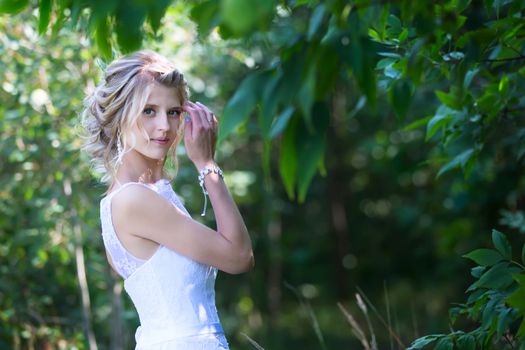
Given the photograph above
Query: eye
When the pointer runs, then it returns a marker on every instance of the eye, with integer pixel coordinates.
(148, 111)
(175, 112)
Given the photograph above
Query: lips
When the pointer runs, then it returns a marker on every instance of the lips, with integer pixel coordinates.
(161, 141)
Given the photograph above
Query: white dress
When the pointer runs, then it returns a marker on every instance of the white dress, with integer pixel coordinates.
(173, 294)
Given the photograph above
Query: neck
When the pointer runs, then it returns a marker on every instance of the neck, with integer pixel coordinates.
(136, 167)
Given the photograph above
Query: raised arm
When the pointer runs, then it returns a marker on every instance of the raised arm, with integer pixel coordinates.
(142, 212)
(148, 215)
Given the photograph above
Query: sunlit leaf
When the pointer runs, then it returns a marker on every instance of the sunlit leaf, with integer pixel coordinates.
(102, 37)
(13, 6)
(44, 8)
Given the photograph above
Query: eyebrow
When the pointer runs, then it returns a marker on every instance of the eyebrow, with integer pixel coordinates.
(154, 105)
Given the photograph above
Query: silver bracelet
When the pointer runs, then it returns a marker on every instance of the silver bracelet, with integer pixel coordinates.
(202, 174)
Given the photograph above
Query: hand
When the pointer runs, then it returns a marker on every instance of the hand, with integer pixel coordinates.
(200, 133)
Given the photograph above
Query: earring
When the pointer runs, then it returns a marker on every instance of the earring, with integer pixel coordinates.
(119, 147)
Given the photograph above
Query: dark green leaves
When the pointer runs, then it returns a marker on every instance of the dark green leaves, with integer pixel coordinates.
(205, 15)
(424, 341)
(302, 151)
(444, 343)
(463, 160)
(498, 276)
(484, 257)
(400, 94)
(466, 342)
(502, 244)
(239, 107)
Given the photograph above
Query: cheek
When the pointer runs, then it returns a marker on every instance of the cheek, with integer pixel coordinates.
(175, 124)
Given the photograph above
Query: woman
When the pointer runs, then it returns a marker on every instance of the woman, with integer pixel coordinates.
(169, 262)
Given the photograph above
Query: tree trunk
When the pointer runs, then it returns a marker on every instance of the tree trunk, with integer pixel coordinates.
(117, 341)
(84, 290)
(337, 176)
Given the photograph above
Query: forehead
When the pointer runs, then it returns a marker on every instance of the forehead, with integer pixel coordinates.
(162, 95)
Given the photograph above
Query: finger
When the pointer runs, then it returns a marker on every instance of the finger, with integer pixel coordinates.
(203, 114)
(196, 119)
(188, 127)
(202, 105)
(206, 114)
(209, 113)
(214, 122)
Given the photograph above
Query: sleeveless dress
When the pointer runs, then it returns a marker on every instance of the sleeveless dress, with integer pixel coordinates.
(173, 294)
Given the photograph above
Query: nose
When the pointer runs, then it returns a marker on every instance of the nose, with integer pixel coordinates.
(163, 123)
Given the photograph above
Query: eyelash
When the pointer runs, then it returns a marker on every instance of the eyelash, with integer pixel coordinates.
(176, 111)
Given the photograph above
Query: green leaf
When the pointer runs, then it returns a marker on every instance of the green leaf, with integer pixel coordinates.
(477, 271)
(244, 16)
(438, 121)
(460, 160)
(521, 331)
(444, 343)
(374, 35)
(448, 100)
(469, 76)
(269, 103)
(281, 122)
(502, 244)
(424, 341)
(242, 103)
(360, 54)
(157, 10)
(316, 19)
(102, 38)
(288, 158)
(503, 86)
(466, 342)
(504, 320)
(484, 257)
(403, 36)
(523, 254)
(13, 6)
(498, 276)
(44, 8)
(310, 148)
(517, 298)
(205, 15)
(385, 62)
(306, 95)
(416, 124)
(400, 96)
(128, 26)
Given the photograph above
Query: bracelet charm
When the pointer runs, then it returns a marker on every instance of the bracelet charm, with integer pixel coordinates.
(202, 174)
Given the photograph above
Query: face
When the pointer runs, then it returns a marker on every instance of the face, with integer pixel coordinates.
(160, 120)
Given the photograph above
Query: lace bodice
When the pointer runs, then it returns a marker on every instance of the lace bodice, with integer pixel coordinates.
(126, 263)
(173, 294)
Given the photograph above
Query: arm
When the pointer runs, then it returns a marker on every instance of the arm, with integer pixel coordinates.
(145, 214)
(142, 212)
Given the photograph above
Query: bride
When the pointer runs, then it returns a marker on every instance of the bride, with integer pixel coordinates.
(134, 120)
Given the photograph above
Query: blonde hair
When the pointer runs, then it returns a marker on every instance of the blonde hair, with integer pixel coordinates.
(117, 102)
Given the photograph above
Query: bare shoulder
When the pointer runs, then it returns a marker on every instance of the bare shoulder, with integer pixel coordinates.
(135, 199)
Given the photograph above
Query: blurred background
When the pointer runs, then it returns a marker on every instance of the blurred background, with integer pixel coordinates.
(372, 217)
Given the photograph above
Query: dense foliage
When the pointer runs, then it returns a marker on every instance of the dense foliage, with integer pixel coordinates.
(383, 99)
